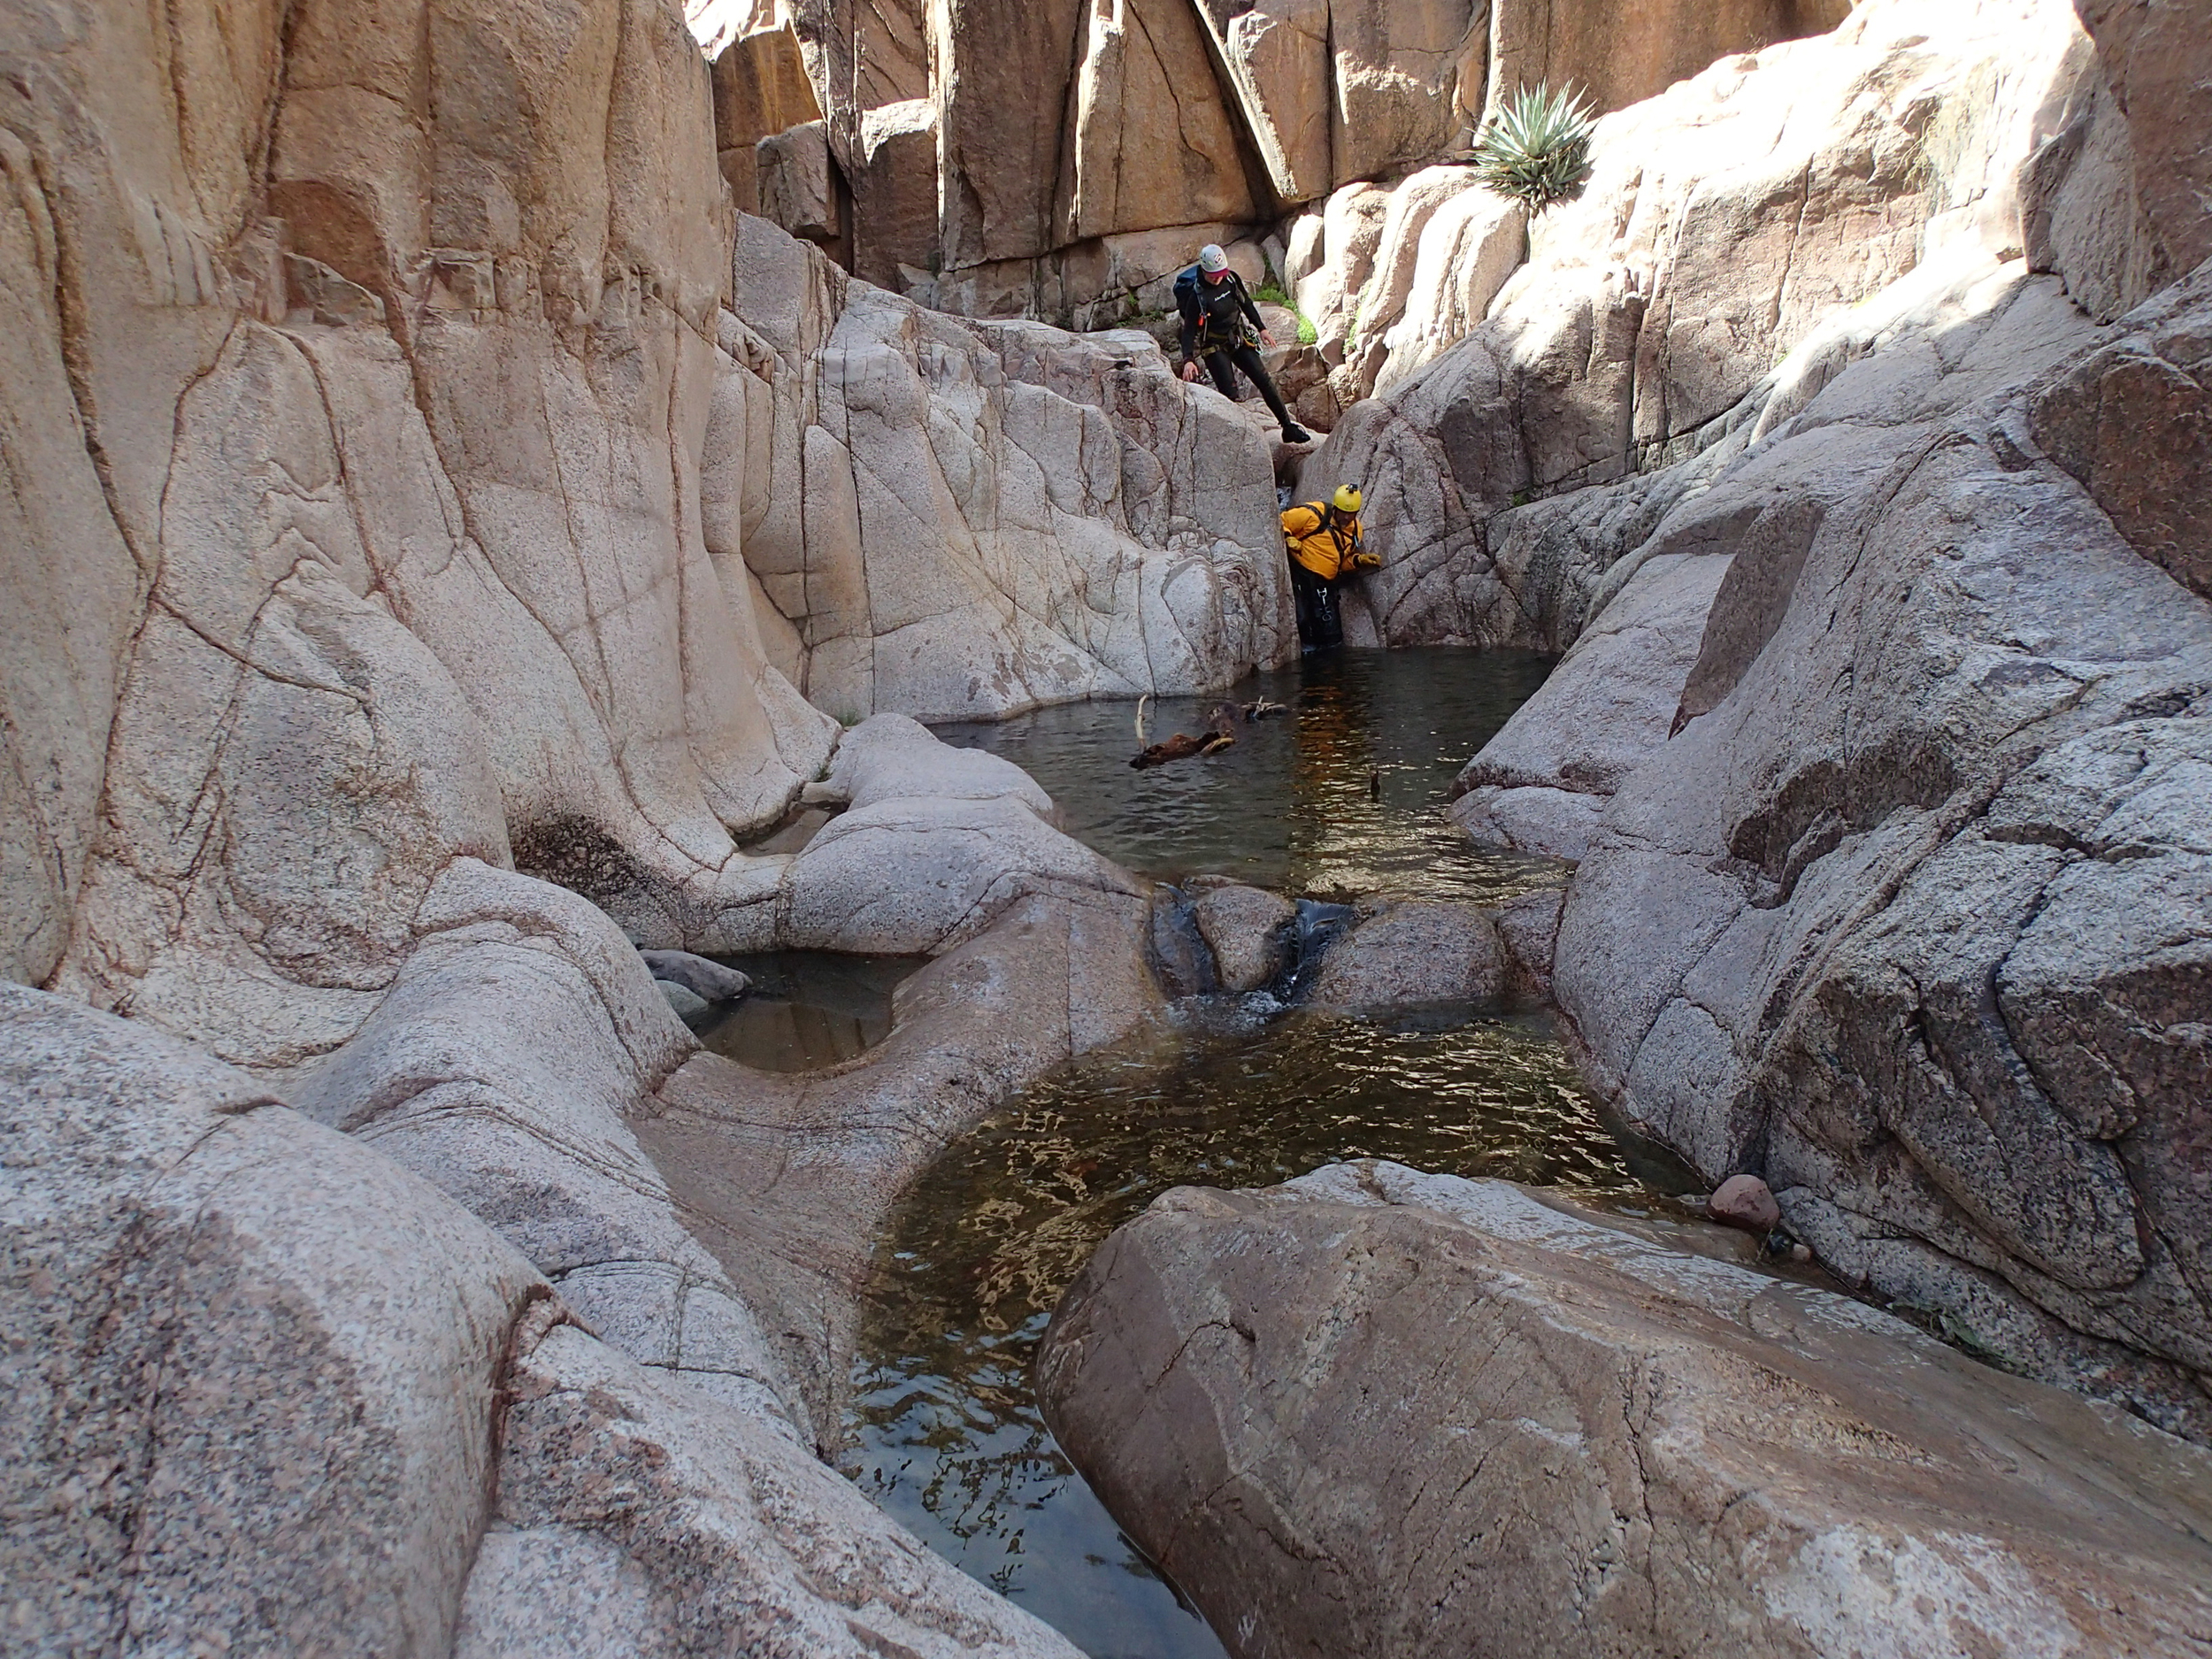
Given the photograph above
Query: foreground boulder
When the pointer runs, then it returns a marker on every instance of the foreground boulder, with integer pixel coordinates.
(260, 1381)
(248, 1377)
(1376, 1412)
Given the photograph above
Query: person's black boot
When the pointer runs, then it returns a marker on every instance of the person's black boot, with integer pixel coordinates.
(1296, 433)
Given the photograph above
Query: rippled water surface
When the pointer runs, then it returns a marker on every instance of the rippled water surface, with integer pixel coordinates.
(1340, 796)
(949, 1435)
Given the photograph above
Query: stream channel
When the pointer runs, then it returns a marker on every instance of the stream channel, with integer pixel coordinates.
(1340, 797)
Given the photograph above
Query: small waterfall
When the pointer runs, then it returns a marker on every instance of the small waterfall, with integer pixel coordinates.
(1181, 960)
(1310, 932)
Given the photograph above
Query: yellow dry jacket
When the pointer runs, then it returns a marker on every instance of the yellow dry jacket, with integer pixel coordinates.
(1330, 551)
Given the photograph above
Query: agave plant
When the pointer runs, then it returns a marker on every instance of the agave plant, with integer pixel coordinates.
(1535, 147)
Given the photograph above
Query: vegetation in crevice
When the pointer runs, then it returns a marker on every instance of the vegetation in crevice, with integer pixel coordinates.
(1535, 147)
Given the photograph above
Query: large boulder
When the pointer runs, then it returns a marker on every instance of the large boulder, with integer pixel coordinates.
(1376, 1412)
(2159, 68)
(2132, 424)
(251, 1367)
(1149, 137)
(1276, 56)
(893, 179)
(799, 187)
(1412, 955)
(760, 88)
(1407, 83)
(1857, 921)
(1247, 930)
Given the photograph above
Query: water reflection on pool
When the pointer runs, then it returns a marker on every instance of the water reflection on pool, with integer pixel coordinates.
(806, 1010)
(1342, 795)
(948, 1434)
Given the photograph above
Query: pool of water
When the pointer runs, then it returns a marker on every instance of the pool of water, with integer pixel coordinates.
(946, 1434)
(807, 1008)
(1340, 796)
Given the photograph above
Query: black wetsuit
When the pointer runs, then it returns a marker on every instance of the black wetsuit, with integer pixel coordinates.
(1214, 317)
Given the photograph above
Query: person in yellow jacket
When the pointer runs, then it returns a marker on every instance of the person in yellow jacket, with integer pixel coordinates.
(1324, 543)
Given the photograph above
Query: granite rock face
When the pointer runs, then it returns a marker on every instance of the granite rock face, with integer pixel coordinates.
(456, 517)
(1066, 129)
(1727, 221)
(1842, 868)
(251, 1364)
(1588, 1440)
(1859, 921)
(992, 516)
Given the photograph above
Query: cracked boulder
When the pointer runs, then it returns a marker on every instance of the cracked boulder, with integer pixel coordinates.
(1378, 1412)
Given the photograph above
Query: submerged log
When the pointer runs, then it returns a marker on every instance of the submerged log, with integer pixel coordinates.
(1220, 732)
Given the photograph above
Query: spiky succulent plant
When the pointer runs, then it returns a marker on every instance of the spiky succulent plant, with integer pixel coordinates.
(1535, 147)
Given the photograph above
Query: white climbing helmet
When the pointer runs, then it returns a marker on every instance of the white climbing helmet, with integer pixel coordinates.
(1211, 259)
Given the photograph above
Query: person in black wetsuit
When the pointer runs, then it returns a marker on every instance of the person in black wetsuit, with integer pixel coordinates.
(1222, 327)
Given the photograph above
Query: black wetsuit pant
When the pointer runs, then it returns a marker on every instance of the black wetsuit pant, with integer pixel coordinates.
(1246, 356)
(1319, 622)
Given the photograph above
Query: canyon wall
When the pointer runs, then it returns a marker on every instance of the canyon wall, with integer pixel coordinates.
(1860, 471)
(1058, 161)
(323, 393)
(406, 445)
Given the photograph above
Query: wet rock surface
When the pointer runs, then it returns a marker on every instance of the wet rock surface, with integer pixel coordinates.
(1247, 929)
(1403, 955)
(1591, 1442)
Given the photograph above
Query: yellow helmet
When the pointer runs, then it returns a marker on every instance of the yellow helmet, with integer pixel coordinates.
(1345, 499)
